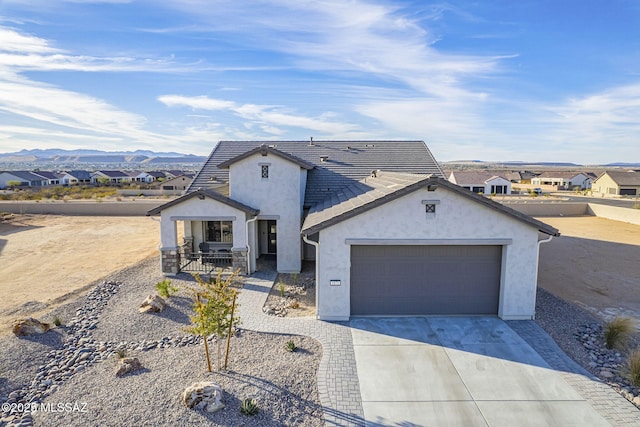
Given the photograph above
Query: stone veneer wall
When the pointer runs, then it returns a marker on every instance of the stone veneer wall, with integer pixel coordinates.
(239, 260)
(170, 261)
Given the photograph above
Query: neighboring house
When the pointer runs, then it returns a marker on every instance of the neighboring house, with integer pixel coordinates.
(76, 177)
(617, 183)
(137, 176)
(389, 235)
(179, 183)
(481, 182)
(158, 175)
(114, 177)
(24, 178)
(565, 180)
(53, 178)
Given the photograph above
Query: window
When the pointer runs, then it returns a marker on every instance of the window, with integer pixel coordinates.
(218, 231)
(264, 171)
(478, 190)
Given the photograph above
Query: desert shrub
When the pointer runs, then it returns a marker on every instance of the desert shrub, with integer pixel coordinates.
(618, 332)
(632, 368)
(249, 407)
(121, 353)
(291, 346)
(57, 321)
(166, 288)
(281, 288)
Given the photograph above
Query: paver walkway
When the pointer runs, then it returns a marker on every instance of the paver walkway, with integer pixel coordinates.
(338, 384)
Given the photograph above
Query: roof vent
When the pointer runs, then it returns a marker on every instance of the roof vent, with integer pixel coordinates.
(310, 141)
(213, 178)
(374, 173)
(273, 145)
(369, 145)
(324, 158)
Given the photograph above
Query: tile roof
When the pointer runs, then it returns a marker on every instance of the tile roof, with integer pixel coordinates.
(80, 174)
(113, 174)
(27, 176)
(387, 186)
(345, 162)
(559, 174)
(624, 177)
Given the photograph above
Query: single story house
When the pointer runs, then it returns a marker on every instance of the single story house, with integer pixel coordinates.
(76, 177)
(617, 183)
(112, 177)
(565, 180)
(53, 178)
(481, 182)
(179, 183)
(389, 235)
(22, 178)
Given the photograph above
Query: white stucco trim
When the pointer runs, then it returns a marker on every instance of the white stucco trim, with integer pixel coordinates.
(426, 242)
(201, 218)
(268, 217)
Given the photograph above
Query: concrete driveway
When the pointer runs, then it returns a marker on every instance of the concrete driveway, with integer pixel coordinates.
(459, 371)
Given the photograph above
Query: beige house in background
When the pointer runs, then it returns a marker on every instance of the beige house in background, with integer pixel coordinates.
(617, 183)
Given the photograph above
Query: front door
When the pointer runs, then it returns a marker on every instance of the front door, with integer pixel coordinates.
(272, 233)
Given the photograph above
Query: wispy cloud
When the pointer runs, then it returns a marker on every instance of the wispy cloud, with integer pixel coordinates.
(268, 117)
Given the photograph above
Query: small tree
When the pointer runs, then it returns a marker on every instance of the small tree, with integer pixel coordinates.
(214, 311)
(13, 184)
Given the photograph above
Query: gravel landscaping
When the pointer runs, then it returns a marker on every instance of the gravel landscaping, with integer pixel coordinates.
(75, 365)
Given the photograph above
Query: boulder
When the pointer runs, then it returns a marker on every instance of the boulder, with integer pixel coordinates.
(204, 395)
(128, 365)
(29, 326)
(153, 303)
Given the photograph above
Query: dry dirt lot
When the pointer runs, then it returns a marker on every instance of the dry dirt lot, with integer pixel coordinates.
(47, 259)
(594, 264)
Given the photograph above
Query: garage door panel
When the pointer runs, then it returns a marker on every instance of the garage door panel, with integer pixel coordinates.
(420, 280)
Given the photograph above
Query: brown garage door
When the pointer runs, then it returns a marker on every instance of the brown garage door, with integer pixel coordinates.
(420, 280)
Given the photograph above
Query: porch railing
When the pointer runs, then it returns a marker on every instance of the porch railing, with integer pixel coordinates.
(204, 261)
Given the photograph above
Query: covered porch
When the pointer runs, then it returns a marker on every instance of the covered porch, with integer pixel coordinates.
(204, 230)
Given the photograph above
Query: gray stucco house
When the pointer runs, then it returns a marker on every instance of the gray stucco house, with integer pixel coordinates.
(389, 235)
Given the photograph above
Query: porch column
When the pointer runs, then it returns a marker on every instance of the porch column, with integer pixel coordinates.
(239, 259)
(170, 261)
(169, 254)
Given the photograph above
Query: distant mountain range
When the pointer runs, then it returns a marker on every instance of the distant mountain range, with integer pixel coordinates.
(57, 155)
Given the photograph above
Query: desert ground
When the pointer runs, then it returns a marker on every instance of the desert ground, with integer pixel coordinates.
(46, 260)
(595, 264)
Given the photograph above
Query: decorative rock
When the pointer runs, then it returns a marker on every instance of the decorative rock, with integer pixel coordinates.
(605, 373)
(153, 303)
(29, 326)
(128, 365)
(204, 395)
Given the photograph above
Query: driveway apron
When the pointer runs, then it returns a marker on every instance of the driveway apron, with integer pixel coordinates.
(459, 371)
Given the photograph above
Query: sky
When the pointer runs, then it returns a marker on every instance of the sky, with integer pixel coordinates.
(494, 80)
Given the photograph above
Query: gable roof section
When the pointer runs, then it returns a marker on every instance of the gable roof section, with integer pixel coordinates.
(345, 162)
(112, 174)
(27, 176)
(376, 191)
(80, 174)
(265, 150)
(623, 177)
(474, 177)
(205, 193)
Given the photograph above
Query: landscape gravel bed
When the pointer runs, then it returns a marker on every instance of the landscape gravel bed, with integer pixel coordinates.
(75, 365)
(580, 336)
